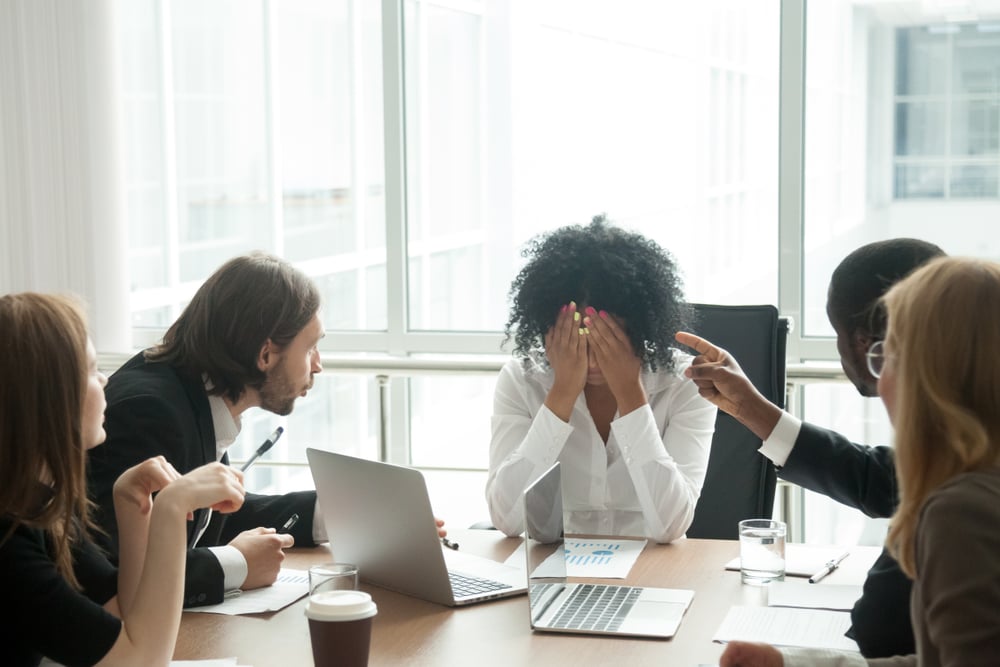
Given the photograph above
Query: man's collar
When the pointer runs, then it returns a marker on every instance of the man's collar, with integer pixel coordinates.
(226, 426)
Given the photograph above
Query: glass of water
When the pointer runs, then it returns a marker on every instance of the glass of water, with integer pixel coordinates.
(762, 551)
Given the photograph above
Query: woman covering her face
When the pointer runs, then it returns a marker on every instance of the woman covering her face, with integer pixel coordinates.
(60, 596)
(596, 384)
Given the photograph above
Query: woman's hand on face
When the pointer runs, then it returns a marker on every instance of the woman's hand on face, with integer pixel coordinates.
(136, 485)
(616, 357)
(213, 485)
(566, 350)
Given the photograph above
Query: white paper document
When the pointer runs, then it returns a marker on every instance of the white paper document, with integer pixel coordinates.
(594, 558)
(606, 559)
(289, 587)
(838, 597)
(802, 560)
(786, 626)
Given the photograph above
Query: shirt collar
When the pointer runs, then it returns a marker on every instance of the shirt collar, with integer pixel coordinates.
(227, 427)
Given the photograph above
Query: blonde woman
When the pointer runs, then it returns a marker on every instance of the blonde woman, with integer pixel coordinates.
(60, 596)
(939, 377)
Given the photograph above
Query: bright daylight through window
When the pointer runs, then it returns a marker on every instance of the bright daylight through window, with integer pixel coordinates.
(263, 125)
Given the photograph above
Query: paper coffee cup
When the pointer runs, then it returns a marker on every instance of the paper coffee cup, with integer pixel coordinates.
(340, 627)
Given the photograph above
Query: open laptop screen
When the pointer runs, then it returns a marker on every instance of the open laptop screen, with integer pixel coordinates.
(543, 540)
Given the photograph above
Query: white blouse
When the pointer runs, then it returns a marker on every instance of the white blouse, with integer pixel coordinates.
(645, 482)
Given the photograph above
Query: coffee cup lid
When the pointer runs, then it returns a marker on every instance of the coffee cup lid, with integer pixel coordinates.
(340, 606)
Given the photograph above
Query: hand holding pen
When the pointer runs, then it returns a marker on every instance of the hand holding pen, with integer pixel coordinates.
(830, 566)
(206, 514)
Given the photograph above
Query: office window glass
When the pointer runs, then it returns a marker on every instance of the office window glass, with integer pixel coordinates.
(254, 126)
(902, 134)
(841, 408)
(525, 116)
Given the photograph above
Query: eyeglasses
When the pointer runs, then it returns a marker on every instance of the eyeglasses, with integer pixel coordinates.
(875, 356)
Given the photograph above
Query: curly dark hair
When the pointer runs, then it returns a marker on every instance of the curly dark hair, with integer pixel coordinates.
(606, 267)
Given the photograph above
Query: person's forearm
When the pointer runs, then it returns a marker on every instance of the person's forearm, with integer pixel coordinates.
(561, 401)
(133, 530)
(759, 415)
(152, 619)
(631, 398)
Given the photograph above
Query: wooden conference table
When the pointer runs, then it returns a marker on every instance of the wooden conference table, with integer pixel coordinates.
(408, 631)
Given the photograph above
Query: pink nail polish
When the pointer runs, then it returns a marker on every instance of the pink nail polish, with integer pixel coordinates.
(563, 309)
(590, 310)
(603, 314)
(587, 321)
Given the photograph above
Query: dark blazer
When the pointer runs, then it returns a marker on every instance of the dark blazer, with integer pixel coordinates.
(153, 410)
(864, 478)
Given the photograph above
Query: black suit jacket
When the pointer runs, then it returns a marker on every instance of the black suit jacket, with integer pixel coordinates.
(153, 410)
(864, 478)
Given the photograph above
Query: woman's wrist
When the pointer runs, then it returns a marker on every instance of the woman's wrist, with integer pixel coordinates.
(631, 398)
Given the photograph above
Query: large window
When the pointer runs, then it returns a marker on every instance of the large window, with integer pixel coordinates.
(947, 109)
(273, 125)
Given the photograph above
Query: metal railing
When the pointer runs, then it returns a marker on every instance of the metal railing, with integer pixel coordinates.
(790, 497)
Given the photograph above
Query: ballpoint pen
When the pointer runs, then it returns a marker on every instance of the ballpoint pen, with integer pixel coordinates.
(448, 543)
(292, 520)
(206, 514)
(267, 444)
(830, 566)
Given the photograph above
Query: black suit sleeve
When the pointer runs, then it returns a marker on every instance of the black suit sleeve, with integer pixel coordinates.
(272, 512)
(858, 476)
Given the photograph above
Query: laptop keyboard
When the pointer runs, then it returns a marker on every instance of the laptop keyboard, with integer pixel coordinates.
(463, 585)
(600, 608)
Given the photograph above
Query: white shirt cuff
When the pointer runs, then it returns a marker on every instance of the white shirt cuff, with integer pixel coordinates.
(549, 434)
(319, 526)
(779, 444)
(637, 436)
(234, 566)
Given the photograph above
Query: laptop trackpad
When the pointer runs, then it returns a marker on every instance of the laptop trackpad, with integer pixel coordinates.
(654, 618)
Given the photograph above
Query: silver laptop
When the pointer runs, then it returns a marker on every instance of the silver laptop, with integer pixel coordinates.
(557, 606)
(378, 516)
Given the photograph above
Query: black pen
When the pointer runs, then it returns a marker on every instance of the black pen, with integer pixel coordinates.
(292, 520)
(448, 543)
(273, 438)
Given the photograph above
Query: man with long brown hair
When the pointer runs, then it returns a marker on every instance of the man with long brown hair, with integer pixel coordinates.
(247, 339)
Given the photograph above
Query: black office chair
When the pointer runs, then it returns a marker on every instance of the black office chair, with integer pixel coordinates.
(740, 482)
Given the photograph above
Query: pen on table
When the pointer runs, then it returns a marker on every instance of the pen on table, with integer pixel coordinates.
(292, 520)
(830, 566)
(267, 444)
(448, 543)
